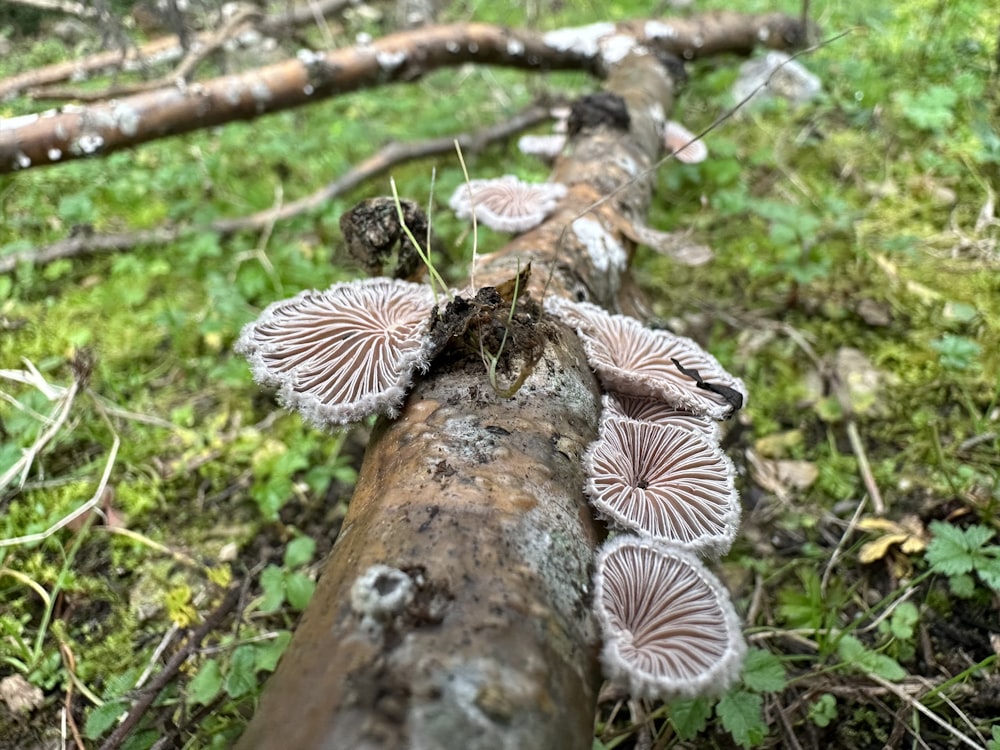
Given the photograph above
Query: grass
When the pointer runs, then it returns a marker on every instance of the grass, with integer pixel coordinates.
(855, 289)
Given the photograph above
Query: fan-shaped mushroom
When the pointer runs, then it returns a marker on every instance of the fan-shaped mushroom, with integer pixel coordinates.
(663, 481)
(506, 204)
(669, 628)
(683, 144)
(344, 353)
(655, 410)
(634, 360)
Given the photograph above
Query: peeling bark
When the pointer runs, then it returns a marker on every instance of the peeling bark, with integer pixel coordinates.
(475, 504)
(76, 132)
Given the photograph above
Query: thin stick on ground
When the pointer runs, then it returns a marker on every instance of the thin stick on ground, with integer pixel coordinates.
(56, 421)
(210, 43)
(926, 712)
(170, 670)
(78, 512)
(389, 156)
(864, 468)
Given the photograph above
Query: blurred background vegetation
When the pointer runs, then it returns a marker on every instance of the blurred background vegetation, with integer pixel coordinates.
(855, 287)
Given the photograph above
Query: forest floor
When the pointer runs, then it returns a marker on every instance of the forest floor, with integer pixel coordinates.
(855, 287)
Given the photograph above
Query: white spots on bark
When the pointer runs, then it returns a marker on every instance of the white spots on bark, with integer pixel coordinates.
(453, 47)
(764, 33)
(473, 47)
(308, 58)
(89, 143)
(515, 47)
(617, 47)
(126, 117)
(388, 60)
(54, 154)
(659, 30)
(261, 93)
(582, 40)
(379, 594)
(23, 160)
(308, 89)
(605, 252)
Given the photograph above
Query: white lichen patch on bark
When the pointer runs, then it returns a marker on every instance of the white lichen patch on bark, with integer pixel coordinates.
(604, 250)
(583, 40)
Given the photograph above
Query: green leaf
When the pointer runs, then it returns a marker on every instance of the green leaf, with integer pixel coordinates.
(903, 621)
(299, 552)
(266, 654)
(931, 109)
(241, 678)
(742, 717)
(854, 653)
(206, 684)
(141, 740)
(272, 581)
(949, 551)
(690, 716)
(763, 671)
(962, 586)
(101, 718)
(824, 710)
(988, 569)
(299, 589)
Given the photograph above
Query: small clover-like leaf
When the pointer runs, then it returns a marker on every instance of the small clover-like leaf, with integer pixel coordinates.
(272, 581)
(824, 710)
(299, 589)
(299, 552)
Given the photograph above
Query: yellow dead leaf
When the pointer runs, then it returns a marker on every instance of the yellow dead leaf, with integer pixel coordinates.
(879, 548)
(908, 533)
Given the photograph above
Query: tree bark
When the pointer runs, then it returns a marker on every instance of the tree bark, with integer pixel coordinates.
(76, 132)
(474, 504)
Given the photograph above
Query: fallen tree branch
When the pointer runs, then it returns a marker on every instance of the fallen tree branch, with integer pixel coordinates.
(161, 50)
(474, 499)
(389, 156)
(57, 136)
(204, 46)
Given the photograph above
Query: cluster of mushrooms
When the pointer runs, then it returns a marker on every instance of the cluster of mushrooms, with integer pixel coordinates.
(656, 471)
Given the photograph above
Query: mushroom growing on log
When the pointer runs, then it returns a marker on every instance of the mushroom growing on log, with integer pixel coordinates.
(455, 607)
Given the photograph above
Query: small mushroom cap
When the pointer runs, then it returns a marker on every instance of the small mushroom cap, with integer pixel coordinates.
(634, 360)
(546, 147)
(665, 482)
(505, 203)
(682, 143)
(342, 354)
(669, 628)
(654, 410)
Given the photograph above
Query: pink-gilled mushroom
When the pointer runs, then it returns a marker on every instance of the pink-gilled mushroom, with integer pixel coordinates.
(546, 147)
(669, 628)
(663, 481)
(506, 204)
(634, 360)
(653, 410)
(342, 354)
(683, 144)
